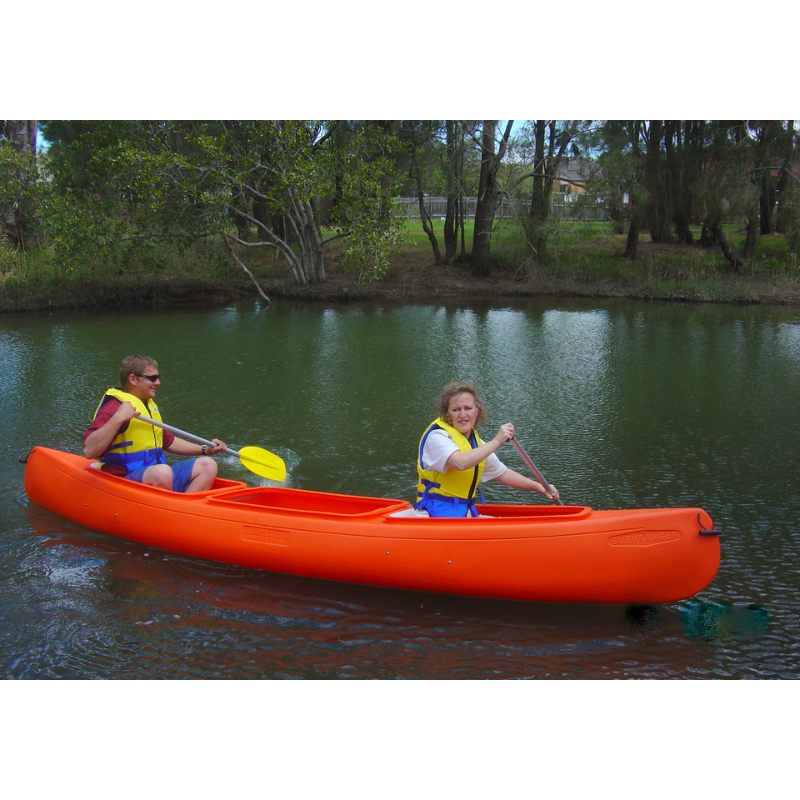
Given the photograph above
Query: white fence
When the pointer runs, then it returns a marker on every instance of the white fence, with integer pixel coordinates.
(562, 206)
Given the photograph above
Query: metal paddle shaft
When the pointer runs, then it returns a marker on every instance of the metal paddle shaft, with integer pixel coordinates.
(274, 465)
(183, 434)
(533, 468)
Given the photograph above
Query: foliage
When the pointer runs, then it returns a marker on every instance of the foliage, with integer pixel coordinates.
(19, 185)
(789, 212)
(131, 195)
(723, 187)
(361, 165)
(123, 184)
(540, 149)
(365, 201)
(16, 171)
(440, 158)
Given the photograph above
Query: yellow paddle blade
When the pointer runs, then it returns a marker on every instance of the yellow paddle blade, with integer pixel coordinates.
(263, 463)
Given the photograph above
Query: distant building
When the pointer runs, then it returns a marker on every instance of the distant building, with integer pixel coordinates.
(573, 176)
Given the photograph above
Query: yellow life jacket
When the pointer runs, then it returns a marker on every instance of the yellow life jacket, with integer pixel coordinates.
(453, 483)
(140, 444)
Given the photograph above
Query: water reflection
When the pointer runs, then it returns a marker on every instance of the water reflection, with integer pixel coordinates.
(719, 621)
(115, 608)
(620, 404)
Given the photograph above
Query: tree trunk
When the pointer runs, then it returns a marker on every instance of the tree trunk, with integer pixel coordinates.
(241, 200)
(451, 229)
(730, 254)
(426, 223)
(707, 237)
(782, 218)
(673, 142)
(487, 196)
(657, 208)
(766, 201)
(452, 182)
(462, 216)
(305, 260)
(540, 194)
(617, 211)
(750, 241)
(632, 242)
(487, 200)
(310, 240)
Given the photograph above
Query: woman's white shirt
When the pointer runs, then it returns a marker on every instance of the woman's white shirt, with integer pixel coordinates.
(439, 446)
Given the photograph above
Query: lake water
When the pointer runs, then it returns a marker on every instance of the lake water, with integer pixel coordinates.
(619, 404)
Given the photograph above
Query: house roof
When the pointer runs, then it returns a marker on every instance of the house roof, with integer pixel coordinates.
(577, 170)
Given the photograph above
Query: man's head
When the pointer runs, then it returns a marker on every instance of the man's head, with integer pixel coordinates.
(138, 375)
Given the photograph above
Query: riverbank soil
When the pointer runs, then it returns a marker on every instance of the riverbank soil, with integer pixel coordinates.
(596, 269)
(666, 272)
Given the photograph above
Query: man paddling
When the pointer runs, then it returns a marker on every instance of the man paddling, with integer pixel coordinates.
(134, 449)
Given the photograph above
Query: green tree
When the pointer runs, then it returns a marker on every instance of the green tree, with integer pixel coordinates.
(18, 174)
(679, 171)
(225, 179)
(420, 139)
(540, 151)
(436, 158)
(457, 135)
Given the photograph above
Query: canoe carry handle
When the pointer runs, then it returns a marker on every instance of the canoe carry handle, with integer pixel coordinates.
(710, 532)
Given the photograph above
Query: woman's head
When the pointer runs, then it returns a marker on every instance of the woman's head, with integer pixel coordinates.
(454, 391)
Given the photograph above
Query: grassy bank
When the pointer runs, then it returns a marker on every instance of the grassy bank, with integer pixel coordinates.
(162, 273)
(584, 260)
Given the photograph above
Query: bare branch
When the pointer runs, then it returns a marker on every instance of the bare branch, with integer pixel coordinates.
(250, 275)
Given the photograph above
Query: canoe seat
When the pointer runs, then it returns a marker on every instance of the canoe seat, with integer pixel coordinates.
(418, 512)
(410, 512)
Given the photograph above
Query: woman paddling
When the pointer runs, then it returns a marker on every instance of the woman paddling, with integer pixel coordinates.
(452, 460)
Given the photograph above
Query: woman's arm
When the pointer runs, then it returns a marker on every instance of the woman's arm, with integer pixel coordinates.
(461, 461)
(519, 481)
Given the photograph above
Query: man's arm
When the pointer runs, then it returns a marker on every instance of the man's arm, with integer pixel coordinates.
(180, 447)
(97, 441)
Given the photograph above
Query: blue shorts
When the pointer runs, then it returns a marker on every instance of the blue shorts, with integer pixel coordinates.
(438, 506)
(181, 474)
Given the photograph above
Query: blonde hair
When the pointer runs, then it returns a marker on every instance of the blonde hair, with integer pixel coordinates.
(459, 387)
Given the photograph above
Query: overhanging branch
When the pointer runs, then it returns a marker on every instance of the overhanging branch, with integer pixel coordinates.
(228, 239)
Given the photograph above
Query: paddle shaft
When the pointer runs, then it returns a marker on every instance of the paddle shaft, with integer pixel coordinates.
(256, 459)
(533, 468)
(184, 434)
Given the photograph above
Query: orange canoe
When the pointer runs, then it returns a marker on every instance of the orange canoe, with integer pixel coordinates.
(545, 553)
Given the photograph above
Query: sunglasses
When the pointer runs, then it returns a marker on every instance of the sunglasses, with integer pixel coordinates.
(151, 378)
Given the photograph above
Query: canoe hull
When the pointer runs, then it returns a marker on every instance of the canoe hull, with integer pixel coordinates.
(539, 553)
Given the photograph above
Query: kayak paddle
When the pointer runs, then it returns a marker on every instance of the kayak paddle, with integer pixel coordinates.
(256, 459)
(533, 468)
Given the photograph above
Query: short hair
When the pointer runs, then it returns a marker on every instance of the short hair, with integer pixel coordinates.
(134, 365)
(459, 387)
